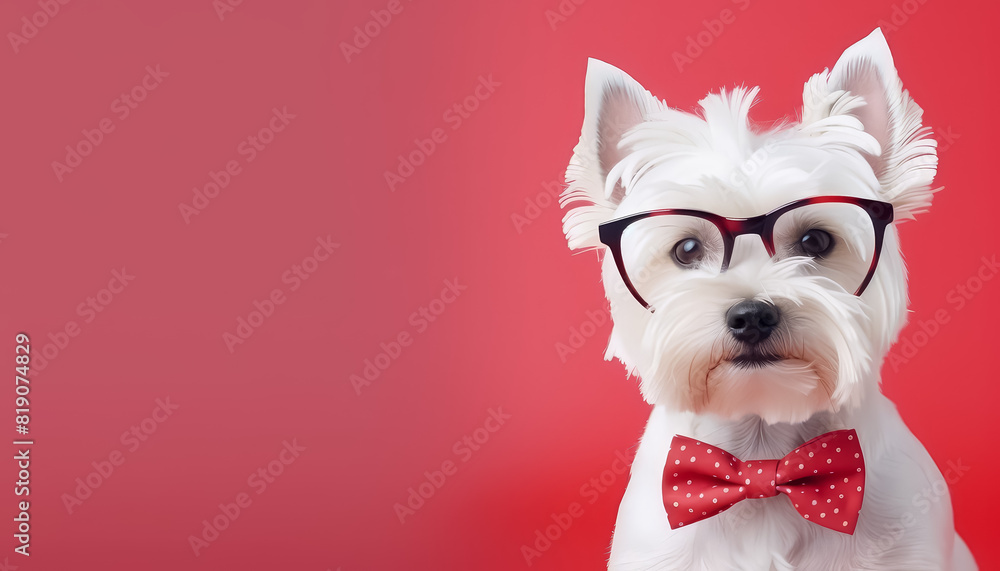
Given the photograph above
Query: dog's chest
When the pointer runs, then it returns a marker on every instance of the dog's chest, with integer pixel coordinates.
(764, 534)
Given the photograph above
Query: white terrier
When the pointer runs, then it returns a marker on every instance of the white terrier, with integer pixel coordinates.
(756, 284)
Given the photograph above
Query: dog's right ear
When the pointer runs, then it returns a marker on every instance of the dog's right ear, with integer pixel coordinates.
(905, 159)
(614, 104)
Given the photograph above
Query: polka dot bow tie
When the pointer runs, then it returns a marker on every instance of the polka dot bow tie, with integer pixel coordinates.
(824, 478)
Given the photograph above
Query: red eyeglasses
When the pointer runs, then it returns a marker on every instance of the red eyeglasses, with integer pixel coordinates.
(839, 238)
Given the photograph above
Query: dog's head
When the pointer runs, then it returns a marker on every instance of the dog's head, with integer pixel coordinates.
(752, 271)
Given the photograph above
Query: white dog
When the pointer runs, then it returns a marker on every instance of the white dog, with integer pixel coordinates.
(756, 283)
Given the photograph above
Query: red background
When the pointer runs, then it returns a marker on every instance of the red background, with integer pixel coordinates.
(495, 346)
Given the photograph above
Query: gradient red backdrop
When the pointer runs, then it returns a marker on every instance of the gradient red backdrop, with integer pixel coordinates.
(306, 106)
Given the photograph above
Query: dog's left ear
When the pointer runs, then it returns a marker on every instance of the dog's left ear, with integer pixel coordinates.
(907, 160)
(613, 104)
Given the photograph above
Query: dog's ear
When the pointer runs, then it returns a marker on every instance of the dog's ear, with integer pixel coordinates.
(864, 85)
(614, 103)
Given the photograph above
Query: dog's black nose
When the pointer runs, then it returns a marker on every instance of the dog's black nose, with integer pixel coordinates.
(752, 321)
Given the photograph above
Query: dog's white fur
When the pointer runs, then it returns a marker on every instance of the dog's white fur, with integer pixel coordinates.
(860, 134)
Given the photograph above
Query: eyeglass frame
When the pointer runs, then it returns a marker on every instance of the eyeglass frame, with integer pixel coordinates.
(610, 232)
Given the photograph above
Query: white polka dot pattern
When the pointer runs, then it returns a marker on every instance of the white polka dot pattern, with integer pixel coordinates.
(826, 476)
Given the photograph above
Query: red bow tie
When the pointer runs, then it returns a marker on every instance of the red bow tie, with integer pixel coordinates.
(824, 478)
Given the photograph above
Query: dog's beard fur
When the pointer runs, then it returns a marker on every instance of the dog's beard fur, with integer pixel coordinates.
(686, 356)
(828, 338)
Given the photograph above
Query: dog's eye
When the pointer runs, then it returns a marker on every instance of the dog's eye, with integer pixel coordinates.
(688, 252)
(815, 243)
